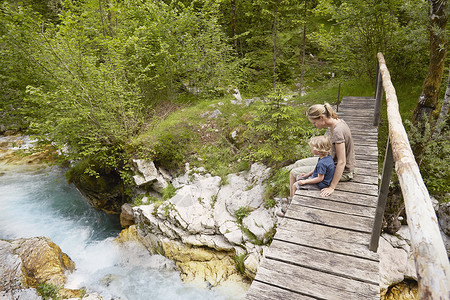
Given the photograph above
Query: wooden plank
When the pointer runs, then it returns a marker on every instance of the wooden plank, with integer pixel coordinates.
(366, 157)
(314, 283)
(342, 197)
(331, 205)
(360, 170)
(369, 179)
(351, 267)
(357, 98)
(330, 218)
(367, 164)
(264, 291)
(357, 187)
(368, 148)
(320, 250)
(336, 240)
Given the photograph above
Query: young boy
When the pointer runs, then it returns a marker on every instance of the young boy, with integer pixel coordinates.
(323, 173)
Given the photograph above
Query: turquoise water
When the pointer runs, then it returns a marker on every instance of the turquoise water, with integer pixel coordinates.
(41, 203)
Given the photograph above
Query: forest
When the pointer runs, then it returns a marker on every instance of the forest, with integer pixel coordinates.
(105, 81)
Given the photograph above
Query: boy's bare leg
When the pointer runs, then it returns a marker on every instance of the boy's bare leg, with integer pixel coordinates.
(291, 184)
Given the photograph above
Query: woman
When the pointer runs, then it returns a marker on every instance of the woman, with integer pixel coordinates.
(342, 149)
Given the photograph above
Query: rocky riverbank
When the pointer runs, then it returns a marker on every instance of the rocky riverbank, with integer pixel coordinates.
(214, 229)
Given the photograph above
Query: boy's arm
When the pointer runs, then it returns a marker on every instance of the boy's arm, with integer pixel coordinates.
(317, 179)
(306, 175)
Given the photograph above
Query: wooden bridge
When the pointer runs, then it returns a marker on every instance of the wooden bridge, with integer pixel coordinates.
(320, 250)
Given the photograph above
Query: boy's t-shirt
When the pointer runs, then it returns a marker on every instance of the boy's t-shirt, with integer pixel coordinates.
(324, 166)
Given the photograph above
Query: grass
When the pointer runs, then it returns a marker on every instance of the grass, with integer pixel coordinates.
(407, 96)
(230, 142)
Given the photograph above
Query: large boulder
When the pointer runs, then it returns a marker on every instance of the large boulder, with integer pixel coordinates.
(397, 265)
(27, 263)
(214, 223)
(32, 261)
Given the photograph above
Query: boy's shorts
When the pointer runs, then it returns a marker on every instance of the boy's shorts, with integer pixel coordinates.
(305, 186)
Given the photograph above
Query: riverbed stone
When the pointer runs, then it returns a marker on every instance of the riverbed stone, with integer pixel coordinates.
(22, 294)
(25, 263)
(396, 258)
(126, 215)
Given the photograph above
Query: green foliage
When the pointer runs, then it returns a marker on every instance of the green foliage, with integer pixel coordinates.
(239, 262)
(48, 291)
(367, 27)
(241, 213)
(168, 192)
(276, 129)
(434, 162)
(278, 186)
(170, 148)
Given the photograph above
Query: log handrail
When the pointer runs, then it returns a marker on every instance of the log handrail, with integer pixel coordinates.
(431, 260)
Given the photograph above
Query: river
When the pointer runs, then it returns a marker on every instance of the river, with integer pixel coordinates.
(41, 203)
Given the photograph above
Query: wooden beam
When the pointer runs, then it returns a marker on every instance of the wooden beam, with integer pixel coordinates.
(432, 264)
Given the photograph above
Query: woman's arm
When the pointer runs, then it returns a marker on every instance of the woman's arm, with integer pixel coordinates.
(341, 161)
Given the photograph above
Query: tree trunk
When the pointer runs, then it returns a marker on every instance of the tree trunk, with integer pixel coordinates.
(444, 108)
(429, 99)
(275, 44)
(303, 52)
(233, 25)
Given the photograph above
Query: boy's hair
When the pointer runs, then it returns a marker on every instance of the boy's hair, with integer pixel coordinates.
(321, 143)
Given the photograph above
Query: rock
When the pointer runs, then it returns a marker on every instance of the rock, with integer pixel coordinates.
(25, 263)
(126, 216)
(202, 217)
(251, 264)
(261, 223)
(444, 217)
(89, 296)
(237, 94)
(201, 265)
(405, 290)
(105, 192)
(147, 173)
(396, 258)
(22, 294)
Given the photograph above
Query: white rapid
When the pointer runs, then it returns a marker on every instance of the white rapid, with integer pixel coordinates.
(41, 203)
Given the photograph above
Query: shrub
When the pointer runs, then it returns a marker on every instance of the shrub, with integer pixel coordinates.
(48, 291)
(242, 212)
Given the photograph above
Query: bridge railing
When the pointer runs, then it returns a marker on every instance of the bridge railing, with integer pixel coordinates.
(431, 260)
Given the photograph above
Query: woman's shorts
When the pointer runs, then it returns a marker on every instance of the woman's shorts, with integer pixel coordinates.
(303, 166)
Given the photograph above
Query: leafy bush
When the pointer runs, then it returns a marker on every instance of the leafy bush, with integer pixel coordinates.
(168, 192)
(276, 129)
(48, 291)
(434, 161)
(241, 213)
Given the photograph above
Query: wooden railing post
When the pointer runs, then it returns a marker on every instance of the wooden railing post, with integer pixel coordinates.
(383, 191)
(378, 97)
(432, 263)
